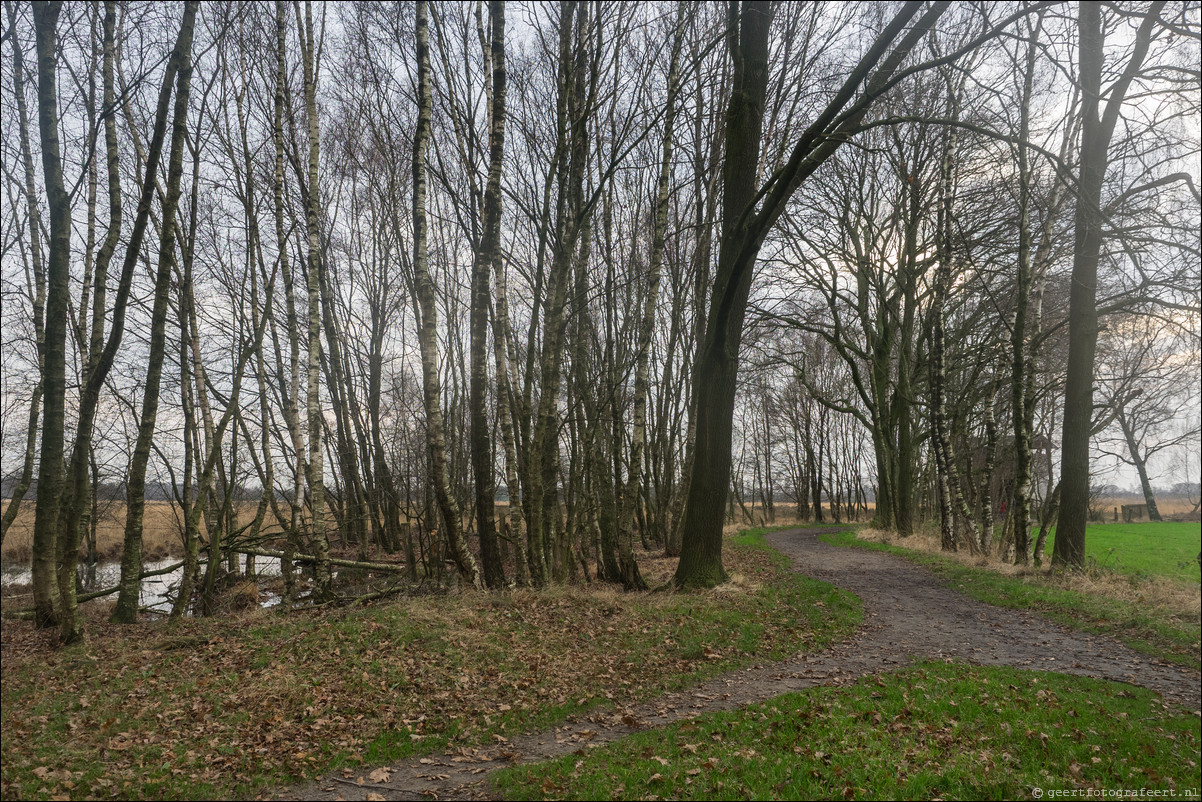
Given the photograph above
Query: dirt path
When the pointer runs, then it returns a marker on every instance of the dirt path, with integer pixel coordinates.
(908, 615)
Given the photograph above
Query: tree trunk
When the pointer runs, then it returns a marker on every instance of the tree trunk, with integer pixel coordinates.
(631, 578)
(705, 197)
(986, 485)
(1022, 414)
(505, 403)
(126, 611)
(313, 274)
(571, 230)
(941, 437)
(291, 393)
(1096, 133)
(50, 460)
(486, 254)
(101, 353)
(1051, 510)
(743, 232)
(901, 400)
(39, 279)
(950, 487)
(191, 530)
(940, 441)
(428, 325)
(1140, 461)
(701, 549)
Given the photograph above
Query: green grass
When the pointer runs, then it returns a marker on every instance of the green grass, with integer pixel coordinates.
(225, 708)
(1145, 550)
(1145, 628)
(753, 539)
(933, 731)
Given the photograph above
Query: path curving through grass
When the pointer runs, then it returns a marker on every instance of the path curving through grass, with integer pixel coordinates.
(909, 616)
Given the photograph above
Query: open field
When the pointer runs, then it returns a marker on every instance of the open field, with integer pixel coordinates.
(162, 531)
(1167, 505)
(1145, 549)
(1139, 551)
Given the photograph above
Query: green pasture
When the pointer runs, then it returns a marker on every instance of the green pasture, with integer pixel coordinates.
(1145, 550)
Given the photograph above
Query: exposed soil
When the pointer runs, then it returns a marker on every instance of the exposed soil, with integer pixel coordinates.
(908, 615)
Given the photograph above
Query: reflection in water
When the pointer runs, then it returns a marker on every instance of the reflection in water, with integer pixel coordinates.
(158, 592)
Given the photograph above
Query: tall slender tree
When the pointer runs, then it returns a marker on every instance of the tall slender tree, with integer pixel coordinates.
(1097, 130)
(631, 578)
(58, 266)
(487, 253)
(128, 600)
(38, 274)
(315, 266)
(436, 442)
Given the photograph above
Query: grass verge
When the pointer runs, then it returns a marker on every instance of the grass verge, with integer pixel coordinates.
(1150, 629)
(219, 708)
(929, 732)
(1145, 550)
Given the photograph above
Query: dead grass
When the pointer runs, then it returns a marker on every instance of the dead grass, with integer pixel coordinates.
(1167, 506)
(786, 515)
(162, 528)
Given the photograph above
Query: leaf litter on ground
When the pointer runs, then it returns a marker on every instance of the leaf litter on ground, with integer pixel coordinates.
(222, 707)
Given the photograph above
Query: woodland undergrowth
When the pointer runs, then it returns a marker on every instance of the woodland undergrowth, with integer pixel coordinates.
(228, 706)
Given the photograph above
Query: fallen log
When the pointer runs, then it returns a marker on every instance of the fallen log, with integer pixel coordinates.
(309, 558)
(27, 612)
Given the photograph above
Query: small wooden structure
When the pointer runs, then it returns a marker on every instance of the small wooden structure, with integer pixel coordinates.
(1135, 512)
